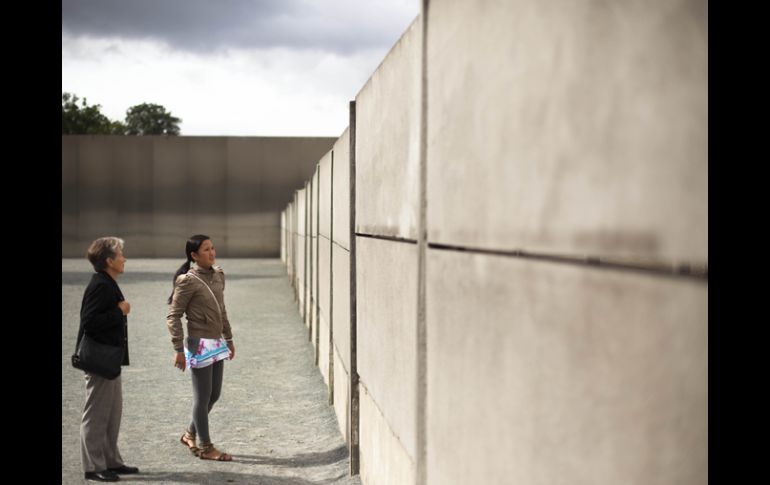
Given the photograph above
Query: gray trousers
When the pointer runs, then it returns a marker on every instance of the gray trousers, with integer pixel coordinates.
(101, 424)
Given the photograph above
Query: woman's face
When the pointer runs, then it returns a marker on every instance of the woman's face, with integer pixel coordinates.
(206, 254)
(118, 263)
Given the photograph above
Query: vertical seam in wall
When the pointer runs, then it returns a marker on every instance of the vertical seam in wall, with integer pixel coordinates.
(317, 264)
(331, 279)
(422, 359)
(309, 301)
(304, 260)
(353, 380)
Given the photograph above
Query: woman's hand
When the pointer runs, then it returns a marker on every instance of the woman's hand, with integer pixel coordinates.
(231, 346)
(124, 306)
(179, 361)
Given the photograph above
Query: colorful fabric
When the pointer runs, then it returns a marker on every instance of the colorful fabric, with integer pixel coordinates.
(209, 350)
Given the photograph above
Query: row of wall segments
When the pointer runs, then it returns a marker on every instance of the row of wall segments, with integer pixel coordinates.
(527, 261)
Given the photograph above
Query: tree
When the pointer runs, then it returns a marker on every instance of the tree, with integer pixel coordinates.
(151, 119)
(83, 119)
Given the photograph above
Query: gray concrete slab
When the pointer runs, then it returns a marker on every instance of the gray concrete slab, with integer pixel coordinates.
(580, 129)
(273, 416)
(386, 279)
(133, 192)
(388, 142)
(341, 305)
(69, 197)
(171, 211)
(564, 374)
(324, 306)
(341, 192)
(325, 195)
(96, 191)
(341, 396)
(146, 188)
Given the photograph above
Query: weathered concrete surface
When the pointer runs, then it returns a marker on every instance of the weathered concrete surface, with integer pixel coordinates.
(386, 275)
(544, 373)
(571, 127)
(273, 416)
(341, 192)
(151, 189)
(387, 142)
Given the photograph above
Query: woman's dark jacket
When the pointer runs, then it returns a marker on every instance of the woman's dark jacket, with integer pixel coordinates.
(100, 316)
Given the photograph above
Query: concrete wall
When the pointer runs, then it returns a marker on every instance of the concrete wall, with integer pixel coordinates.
(325, 358)
(340, 296)
(544, 318)
(387, 205)
(155, 191)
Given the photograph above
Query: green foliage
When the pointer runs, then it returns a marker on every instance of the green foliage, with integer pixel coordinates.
(142, 119)
(83, 119)
(151, 119)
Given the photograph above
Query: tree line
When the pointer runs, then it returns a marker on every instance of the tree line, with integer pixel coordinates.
(78, 118)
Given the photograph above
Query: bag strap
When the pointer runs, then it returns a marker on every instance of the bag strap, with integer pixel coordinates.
(208, 288)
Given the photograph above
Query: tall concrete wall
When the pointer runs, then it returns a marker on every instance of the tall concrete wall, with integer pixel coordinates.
(340, 291)
(530, 296)
(387, 206)
(156, 191)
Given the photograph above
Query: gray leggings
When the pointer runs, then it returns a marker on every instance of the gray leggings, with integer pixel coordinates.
(207, 387)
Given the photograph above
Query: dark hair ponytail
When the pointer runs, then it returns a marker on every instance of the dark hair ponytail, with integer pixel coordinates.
(192, 246)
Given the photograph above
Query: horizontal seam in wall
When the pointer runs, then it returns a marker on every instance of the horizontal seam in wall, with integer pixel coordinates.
(387, 238)
(339, 355)
(697, 272)
(341, 246)
(387, 423)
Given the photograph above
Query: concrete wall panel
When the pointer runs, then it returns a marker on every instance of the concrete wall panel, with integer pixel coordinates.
(171, 185)
(149, 188)
(134, 193)
(570, 127)
(248, 224)
(96, 194)
(386, 275)
(341, 396)
(207, 158)
(546, 373)
(287, 162)
(325, 196)
(387, 142)
(301, 249)
(71, 244)
(284, 238)
(383, 459)
(341, 306)
(324, 304)
(341, 192)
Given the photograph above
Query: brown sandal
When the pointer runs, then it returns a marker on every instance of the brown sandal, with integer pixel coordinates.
(188, 439)
(208, 452)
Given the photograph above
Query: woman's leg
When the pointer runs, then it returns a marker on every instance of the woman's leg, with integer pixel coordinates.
(99, 405)
(216, 382)
(216, 388)
(111, 452)
(202, 384)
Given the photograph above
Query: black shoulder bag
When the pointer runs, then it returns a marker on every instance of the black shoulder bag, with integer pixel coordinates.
(98, 358)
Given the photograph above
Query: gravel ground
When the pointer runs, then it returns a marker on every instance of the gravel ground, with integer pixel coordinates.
(273, 415)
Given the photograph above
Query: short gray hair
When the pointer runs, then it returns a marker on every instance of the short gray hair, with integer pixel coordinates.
(103, 248)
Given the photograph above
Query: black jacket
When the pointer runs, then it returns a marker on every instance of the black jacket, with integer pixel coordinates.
(100, 316)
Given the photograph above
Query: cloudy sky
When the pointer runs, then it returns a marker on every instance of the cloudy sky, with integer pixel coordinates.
(230, 67)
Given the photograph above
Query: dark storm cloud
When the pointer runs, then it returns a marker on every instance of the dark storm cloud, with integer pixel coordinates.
(342, 26)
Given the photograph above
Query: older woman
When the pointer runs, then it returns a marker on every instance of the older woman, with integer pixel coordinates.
(103, 318)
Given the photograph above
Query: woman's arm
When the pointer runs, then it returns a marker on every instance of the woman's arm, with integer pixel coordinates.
(183, 291)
